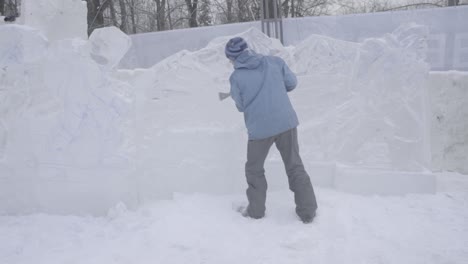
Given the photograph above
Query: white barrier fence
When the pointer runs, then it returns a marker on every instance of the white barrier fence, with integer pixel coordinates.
(448, 39)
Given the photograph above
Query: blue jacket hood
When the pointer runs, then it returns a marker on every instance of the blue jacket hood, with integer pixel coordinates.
(248, 59)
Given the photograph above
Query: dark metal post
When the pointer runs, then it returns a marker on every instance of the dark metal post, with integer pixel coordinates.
(272, 19)
(280, 13)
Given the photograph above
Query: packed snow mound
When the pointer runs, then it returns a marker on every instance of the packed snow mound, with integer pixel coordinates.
(108, 46)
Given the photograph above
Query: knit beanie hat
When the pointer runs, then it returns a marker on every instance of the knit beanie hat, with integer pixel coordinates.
(234, 47)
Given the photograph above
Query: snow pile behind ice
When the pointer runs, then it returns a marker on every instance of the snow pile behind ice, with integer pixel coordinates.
(79, 136)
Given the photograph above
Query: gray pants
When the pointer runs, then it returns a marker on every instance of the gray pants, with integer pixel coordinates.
(299, 181)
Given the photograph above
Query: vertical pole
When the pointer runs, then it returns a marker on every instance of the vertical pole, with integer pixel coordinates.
(281, 22)
(262, 15)
(275, 17)
(267, 9)
(272, 22)
(2, 7)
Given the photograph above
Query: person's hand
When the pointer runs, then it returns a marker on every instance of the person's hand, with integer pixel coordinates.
(223, 96)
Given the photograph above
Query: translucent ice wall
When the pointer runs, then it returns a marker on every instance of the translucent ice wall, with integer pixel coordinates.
(63, 123)
(362, 105)
(77, 136)
(449, 120)
(57, 19)
(368, 102)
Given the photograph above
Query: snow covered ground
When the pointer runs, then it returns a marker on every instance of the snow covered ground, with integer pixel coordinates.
(200, 228)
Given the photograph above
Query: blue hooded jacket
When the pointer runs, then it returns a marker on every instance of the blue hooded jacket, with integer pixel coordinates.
(259, 86)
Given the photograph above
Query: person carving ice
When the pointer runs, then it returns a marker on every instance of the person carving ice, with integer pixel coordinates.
(259, 87)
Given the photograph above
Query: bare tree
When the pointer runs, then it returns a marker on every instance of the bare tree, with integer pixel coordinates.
(224, 11)
(300, 8)
(169, 17)
(2, 7)
(367, 6)
(242, 10)
(123, 16)
(113, 13)
(248, 10)
(255, 9)
(10, 7)
(177, 14)
(205, 16)
(230, 11)
(286, 8)
(95, 14)
(229, 14)
(133, 16)
(161, 14)
(192, 6)
(317, 8)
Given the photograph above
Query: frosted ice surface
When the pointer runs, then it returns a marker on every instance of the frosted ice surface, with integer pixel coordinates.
(20, 44)
(323, 55)
(109, 45)
(57, 19)
(66, 115)
(449, 112)
(368, 97)
(359, 104)
(63, 121)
